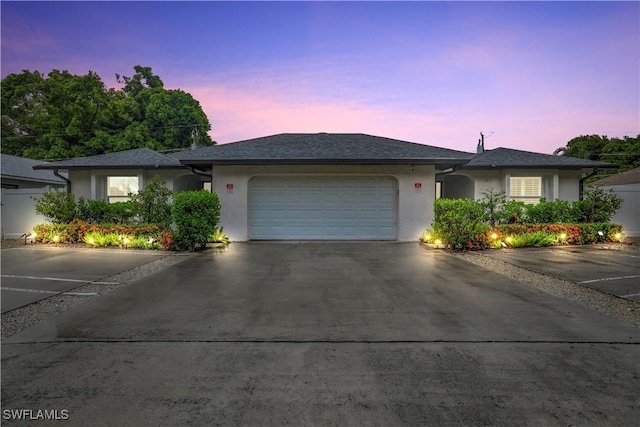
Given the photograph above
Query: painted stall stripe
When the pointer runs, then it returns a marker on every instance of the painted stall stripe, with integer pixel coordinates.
(607, 279)
(40, 291)
(57, 279)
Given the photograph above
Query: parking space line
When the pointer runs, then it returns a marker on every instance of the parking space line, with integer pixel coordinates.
(630, 295)
(40, 291)
(606, 279)
(57, 279)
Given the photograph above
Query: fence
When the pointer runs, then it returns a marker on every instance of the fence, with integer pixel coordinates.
(18, 211)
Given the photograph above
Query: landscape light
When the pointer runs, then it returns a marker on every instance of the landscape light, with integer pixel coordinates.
(56, 239)
(563, 236)
(509, 239)
(494, 236)
(618, 236)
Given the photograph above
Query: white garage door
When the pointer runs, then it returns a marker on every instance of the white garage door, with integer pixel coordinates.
(322, 208)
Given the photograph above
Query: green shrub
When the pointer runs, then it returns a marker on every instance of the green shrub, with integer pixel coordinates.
(600, 205)
(101, 212)
(493, 206)
(93, 211)
(57, 206)
(459, 223)
(196, 215)
(154, 203)
(545, 212)
(122, 212)
(499, 210)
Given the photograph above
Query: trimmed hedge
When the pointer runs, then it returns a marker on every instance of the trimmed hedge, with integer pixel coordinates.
(575, 234)
(76, 231)
(196, 215)
(462, 224)
(459, 223)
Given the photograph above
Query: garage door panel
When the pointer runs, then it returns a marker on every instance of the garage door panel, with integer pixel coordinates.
(302, 207)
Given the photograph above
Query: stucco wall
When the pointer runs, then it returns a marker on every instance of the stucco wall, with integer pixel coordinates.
(569, 185)
(556, 184)
(415, 206)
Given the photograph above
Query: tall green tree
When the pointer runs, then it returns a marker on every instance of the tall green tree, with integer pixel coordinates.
(624, 152)
(62, 115)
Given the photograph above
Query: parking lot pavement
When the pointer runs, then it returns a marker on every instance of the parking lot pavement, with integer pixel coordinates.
(612, 271)
(31, 274)
(369, 333)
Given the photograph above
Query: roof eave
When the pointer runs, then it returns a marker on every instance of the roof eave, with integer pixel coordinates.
(32, 179)
(230, 162)
(565, 167)
(85, 167)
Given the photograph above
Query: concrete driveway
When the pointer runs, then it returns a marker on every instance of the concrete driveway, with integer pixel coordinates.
(30, 274)
(327, 334)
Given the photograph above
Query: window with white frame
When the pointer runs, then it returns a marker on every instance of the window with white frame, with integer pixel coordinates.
(526, 189)
(119, 188)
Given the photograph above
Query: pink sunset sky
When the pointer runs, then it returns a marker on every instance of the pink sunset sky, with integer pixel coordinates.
(530, 75)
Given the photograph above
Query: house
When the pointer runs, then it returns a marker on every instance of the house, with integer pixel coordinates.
(21, 186)
(627, 186)
(329, 186)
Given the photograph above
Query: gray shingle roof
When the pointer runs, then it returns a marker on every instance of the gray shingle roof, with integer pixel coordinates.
(631, 176)
(139, 158)
(510, 158)
(15, 167)
(323, 148)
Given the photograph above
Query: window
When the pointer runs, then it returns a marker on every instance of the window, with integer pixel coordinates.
(119, 187)
(525, 189)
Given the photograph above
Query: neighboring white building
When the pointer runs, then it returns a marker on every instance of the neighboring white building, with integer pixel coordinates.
(111, 177)
(627, 186)
(329, 186)
(21, 187)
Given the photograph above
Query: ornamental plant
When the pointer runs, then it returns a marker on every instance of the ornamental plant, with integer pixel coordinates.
(106, 234)
(57, 206)
(535, 239)
(154, 202)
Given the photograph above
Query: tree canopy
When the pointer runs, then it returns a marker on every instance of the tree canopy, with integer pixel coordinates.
(62, 115)
(624, 152)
